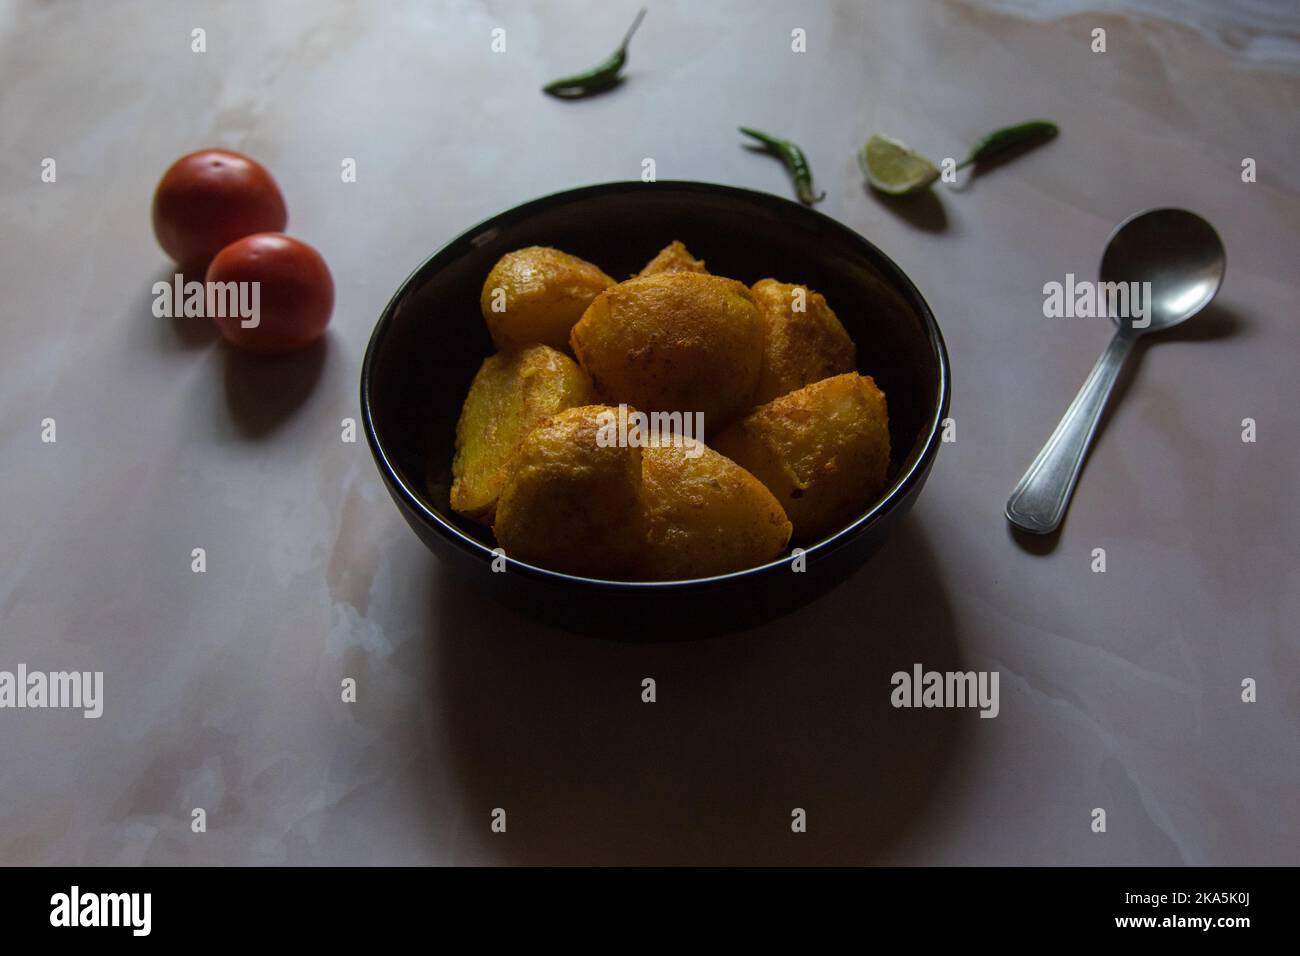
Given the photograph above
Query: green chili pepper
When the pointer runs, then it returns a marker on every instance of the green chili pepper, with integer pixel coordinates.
(1004, 140)
(795, 161)
(598, 79)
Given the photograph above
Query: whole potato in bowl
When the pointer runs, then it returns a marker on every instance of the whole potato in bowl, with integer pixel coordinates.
(572, 503)
(823, 451)
(535, 295)
(511, 393)
(803, 340)
(674, 342)
(705, 515)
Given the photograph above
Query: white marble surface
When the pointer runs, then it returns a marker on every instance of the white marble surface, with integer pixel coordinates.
(1118, 690)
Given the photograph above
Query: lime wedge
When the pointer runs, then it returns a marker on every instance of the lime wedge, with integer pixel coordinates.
(895, 168)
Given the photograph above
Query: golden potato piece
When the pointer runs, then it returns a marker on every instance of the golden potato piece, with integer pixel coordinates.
(511, 393)
(673, 257)
(674, 342)
(705, 515)
(535, 295)
(570, 504)
(800, 346)
(823, 451)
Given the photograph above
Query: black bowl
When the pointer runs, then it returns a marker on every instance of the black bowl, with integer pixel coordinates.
(431, 339)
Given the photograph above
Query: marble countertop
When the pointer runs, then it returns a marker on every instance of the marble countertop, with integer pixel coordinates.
(1119, 690)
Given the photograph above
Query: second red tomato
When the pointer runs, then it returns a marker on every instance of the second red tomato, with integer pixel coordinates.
(294, 292)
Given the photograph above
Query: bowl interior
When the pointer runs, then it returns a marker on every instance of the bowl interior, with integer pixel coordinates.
(432, 338)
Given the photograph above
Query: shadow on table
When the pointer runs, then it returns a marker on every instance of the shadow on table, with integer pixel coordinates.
(263, 391)
(922, 210)
(178, 333)
(551, 727)
(1216, 322)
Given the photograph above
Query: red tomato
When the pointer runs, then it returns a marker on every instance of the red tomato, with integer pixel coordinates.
(294, 294)
(208, 199)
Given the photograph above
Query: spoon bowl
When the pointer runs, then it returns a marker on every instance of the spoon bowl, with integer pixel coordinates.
(1178, 253)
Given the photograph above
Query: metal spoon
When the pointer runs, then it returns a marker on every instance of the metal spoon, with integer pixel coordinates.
(1180, 254)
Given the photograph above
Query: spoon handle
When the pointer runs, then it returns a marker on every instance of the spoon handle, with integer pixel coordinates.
(1038, 502)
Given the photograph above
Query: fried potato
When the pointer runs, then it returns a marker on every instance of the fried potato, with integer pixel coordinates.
(673, 342)
(535, 295)
(705, 515)
(570, 504)
(511, 393)
(823, 451)
(673, 257)
(799, 346)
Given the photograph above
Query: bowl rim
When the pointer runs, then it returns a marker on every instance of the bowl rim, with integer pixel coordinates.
(897, 491)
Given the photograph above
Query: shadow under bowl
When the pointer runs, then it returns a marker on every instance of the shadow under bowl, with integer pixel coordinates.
(431, 338)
